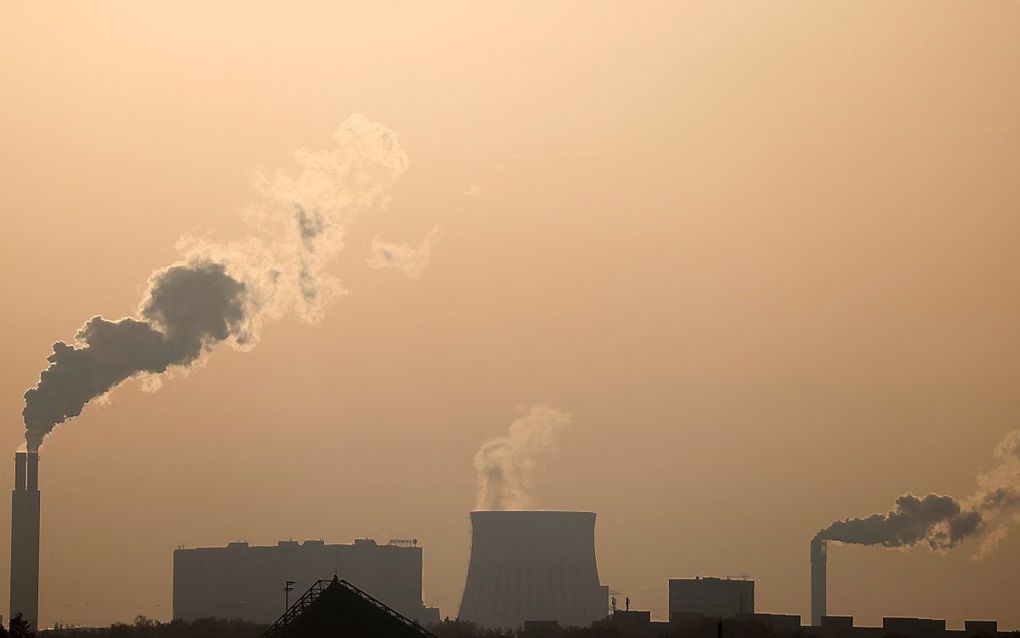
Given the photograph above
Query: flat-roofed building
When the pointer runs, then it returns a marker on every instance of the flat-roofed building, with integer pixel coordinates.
(712, 597)
(244, 581)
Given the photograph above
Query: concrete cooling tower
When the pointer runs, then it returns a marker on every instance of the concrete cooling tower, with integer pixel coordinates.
(532, 566)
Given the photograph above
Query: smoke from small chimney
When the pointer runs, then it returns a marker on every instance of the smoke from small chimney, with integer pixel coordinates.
(506, 464)
(224, 292)
(942, 522)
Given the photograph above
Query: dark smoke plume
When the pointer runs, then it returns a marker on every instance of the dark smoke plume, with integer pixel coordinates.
(943, 522)
(224, 292)
(189, 308)
(938, 520)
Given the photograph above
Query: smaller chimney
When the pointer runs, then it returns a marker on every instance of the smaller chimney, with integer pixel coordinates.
(818, 581)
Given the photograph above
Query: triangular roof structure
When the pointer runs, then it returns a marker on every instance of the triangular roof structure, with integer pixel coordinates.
(337, 609)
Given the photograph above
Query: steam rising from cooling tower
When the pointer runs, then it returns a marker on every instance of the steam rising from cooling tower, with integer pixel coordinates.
(506, 464)
(943, 522)
(223, 292)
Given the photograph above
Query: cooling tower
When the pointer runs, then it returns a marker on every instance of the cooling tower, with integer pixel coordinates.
(818, 578)
(25, 538)
(532, 566)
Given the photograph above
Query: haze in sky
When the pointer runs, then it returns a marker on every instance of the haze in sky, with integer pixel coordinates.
(764, 256)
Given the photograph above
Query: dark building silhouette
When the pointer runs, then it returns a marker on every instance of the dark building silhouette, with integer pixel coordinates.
(626, 623)
(980, 627)
(540, 629)
(759, 625)
(25, 538)
(242, 581)
(919, 627)
(834, 625)
(716, 597)
(819, 578)
(636, 623)
(896, 627)
(532, 565)
(777, 623)
(337, 608)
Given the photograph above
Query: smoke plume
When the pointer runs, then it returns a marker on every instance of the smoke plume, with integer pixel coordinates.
(410, 259)
(506, 464)
(225, 291)
(942, 522)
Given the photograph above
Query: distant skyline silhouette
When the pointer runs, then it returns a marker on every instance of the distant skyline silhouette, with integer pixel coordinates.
(763, 257)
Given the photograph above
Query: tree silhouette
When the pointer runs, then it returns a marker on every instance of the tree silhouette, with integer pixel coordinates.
(19, 627)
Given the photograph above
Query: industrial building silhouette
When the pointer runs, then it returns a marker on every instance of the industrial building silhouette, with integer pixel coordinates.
(638, 624)
(530, 572)
(244, 581)
(331, 608)
(717, 597)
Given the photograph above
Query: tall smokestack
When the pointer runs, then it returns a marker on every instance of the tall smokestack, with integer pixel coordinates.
(25, 538)
(818, 577)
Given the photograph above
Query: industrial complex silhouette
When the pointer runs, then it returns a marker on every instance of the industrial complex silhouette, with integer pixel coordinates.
(530, 572)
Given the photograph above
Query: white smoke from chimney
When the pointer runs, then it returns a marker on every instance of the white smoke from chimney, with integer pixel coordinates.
(506, 464)
(998, 494)
(301, 225)
(410, 259)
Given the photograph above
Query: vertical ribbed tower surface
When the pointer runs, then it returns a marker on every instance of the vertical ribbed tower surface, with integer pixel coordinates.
(532, 565)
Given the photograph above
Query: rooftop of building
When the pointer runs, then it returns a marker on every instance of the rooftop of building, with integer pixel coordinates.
(714, 579)
(310, 544)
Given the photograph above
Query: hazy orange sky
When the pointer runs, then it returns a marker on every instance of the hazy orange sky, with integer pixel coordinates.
(764, 253)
